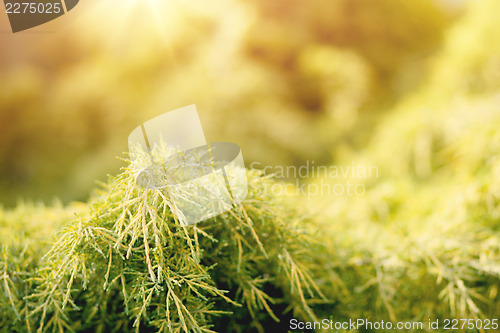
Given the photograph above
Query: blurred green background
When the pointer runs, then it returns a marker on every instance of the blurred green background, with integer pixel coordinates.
(410, 87)
(289, 81)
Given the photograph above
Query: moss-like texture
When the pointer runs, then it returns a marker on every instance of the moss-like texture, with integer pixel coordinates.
(129, 265)
(423, 242)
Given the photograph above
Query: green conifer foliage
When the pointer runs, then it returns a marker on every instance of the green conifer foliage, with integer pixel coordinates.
(129, 265)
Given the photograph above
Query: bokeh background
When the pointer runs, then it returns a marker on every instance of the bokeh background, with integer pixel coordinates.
(410, 87)
(289, 81)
